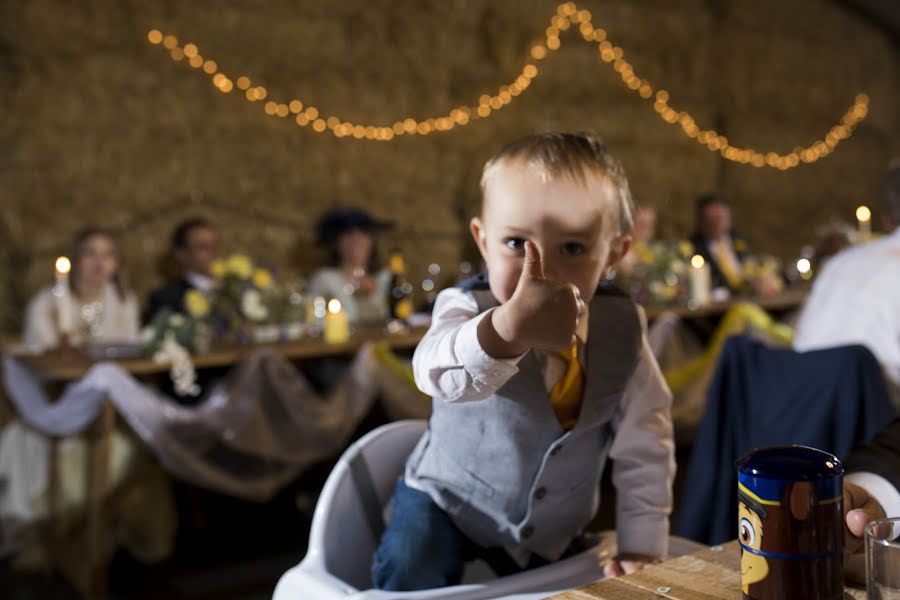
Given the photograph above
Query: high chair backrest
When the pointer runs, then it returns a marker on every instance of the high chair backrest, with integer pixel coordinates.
(348, 519)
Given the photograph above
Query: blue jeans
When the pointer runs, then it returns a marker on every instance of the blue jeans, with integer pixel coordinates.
(422, 549)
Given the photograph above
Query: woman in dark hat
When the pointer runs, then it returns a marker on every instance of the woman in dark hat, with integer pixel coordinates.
(354, 276)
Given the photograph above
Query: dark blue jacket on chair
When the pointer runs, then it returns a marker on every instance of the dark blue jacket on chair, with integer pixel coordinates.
(829, 399)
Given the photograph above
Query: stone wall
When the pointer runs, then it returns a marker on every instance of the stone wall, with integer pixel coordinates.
(101, 127)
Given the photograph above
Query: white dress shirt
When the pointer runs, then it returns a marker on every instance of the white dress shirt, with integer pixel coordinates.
(856, 300)
(204, 283)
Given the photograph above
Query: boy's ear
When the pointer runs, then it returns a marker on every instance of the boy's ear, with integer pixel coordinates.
(479, 235)
(618, 249)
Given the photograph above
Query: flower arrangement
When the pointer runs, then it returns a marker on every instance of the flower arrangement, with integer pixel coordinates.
(659, 272)
(240, 300)
(762, 275)
(237, 301)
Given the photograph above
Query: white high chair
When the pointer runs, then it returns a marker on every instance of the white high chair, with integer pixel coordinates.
(349, 518)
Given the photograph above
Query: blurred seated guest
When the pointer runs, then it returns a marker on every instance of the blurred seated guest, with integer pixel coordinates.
(718, 243)
(194, 245)
(643, 231)
(856, 297)
(353, 276)
(143, 519)
(102, 309)
(830, 240)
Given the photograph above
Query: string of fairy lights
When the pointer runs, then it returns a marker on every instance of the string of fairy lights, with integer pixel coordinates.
(567, 17)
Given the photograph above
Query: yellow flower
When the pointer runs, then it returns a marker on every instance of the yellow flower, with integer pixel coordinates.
(262, 278)
(239, 265)
(217, 268)
(643, 253)
(196, 303)
(686, 248)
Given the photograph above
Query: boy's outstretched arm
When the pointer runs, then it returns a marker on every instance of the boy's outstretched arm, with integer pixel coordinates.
(643, 455)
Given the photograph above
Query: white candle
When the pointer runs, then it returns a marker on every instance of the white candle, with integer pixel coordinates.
(63, 294)
(337, 326)
(700, 280)
(864, 218)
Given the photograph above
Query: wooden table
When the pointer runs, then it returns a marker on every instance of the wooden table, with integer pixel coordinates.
(710, 574)
(65, 367)
(787, 300)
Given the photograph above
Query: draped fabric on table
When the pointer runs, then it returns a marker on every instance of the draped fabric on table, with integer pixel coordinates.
(257, 429)
(829, 399)
(688, 366)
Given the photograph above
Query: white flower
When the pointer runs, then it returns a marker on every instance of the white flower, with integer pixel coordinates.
(182, 369)
(252, 305)
(679, 267)
(147, 334)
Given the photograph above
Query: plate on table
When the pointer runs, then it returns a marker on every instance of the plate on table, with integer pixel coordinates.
(114, 351)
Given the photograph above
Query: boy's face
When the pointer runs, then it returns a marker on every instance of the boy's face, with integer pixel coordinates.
(574, 225)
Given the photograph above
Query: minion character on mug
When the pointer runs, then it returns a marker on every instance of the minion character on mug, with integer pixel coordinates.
(790, 524)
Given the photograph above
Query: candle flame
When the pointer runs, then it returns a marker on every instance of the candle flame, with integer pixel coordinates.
(697, 261)
(803, 266)
(334, 306)
(63, 265)
(863, 213)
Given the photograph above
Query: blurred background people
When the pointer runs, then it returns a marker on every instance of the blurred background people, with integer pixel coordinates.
(353, 275)
(194, 246)
(856, 297)
(101, 308)
(716, 241)
(643, 232)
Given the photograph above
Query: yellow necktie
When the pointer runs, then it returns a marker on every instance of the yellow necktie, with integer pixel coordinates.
(565, 396)
(726, 265)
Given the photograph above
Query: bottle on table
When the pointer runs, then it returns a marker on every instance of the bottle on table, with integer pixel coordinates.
(400, 291)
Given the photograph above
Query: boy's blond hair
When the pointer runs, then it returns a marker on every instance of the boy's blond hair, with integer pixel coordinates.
(569, 155)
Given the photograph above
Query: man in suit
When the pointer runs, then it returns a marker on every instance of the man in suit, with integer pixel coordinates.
(717, 242)
(195, 245)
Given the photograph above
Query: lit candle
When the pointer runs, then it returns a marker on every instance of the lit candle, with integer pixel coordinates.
(804, 267)
(700, 280)
(337, 327)
(63, 295)
(864, 218)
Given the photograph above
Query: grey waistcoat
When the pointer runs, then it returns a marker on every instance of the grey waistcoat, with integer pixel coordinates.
(505, 470)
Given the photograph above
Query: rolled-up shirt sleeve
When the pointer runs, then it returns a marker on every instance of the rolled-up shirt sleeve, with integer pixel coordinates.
(449, 363)
(643, 454)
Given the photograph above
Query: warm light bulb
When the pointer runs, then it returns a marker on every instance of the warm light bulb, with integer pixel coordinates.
(63, 265)
(863, 214)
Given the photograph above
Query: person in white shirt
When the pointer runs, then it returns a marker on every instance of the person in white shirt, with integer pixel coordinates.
(102, 309)
(537, 375)
(354, 276)
(856, 297)
(194, 246)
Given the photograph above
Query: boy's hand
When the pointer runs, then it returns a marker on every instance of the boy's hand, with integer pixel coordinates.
(542, 313)
(626, 564)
